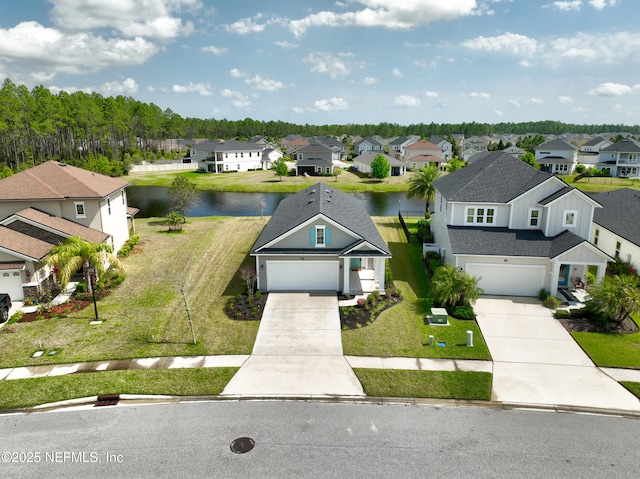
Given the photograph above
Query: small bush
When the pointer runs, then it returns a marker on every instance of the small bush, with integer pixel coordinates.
(433, 265)
(543, 294)
(563, 314)
(82, 287)
(551, 302)
(465, 312)
(432, 255)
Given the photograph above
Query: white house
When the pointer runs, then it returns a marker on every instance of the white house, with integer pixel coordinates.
(557, 156)
(589, 154)
(515, 228)
(622, 159)
(223, 156)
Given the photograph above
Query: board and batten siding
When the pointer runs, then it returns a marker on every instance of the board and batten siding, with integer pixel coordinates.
(459, 214)
(570, 202)
(520, 206)
(300, 238)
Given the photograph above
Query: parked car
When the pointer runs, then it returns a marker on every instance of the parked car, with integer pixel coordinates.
(5, 306)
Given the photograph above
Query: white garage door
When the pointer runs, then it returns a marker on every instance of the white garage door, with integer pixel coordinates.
(11, 285)
(302, 275)
(508, 280)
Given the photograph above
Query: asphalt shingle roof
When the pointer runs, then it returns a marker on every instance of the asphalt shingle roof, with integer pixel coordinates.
(557, 144)
(628, 145)
(496, 178)
(367, 157)
(620, 213)
(509, 242)
(340, 207)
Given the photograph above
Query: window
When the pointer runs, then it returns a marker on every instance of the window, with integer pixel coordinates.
(226, 155)
(617, 255)
(562, 168)
(480, 216)
(534, 217)
(569, 219)
(109, 205)
(80, 212)
(595, 238)
(320, 236)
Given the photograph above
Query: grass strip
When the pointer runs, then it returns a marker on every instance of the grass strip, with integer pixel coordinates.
(425, 384)
(610, 350)
(19, 393)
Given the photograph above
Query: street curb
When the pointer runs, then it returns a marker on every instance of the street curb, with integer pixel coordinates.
(139, 400)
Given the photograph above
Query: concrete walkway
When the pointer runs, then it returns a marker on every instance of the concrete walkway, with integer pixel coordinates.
(298, 351)
(536, 361)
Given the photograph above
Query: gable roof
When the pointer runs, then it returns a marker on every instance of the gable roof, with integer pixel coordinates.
(594, 141)
(496, 178)
(489, 241)
(58, 181)
(619, 214)
(556, 144)
(626, 145)
(367, 157)
(23, 245)
(422, 145)
(320, 199)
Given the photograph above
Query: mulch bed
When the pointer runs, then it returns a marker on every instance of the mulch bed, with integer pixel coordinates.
(56, 311)
(586, 325)
(364, 313)
(241, 308)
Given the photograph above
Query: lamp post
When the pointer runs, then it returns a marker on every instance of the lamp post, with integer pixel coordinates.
(92, 278)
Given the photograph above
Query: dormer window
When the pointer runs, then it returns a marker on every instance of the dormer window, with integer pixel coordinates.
(480, 216)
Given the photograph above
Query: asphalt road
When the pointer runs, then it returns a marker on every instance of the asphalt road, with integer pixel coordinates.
(316, 440)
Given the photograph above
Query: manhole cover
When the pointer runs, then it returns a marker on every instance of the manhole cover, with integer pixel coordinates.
(242, 445)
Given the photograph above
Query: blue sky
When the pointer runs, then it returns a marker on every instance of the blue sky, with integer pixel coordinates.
(347, 61)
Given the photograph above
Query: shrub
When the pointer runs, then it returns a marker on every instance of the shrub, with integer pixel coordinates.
(434, 264)
(580, 169)
(432, 255)
(591, 279)
(464, 312)
(563, 314)
(543, 294)
(82, 287)
(551, 302)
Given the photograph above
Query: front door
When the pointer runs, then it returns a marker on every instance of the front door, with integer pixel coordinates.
(563, 277)
(356, 263)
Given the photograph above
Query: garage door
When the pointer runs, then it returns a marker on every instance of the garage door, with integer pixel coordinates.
(11, 285)
(508, 280)
(302, 275)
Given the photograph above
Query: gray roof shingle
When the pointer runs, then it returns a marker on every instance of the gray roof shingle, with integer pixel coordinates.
(557, 144)
(619, 213)
(496, 178)
(321, 199)
(628, 145)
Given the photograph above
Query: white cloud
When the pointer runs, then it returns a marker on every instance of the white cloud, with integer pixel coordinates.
(201, 88)
(497, 112)
(431, 94)
(573, 5)
(481, 95)
(565, 99)
(334, 66)
(396, 73)
(235, 73)
(612, 89)
(535, 101)
(608, 48)
(392, 14)
(405, 101)
(600, 4)
(133, 18)
(285, 44)
(127, 86)
(514, 103)
(30, 43)
(513, 43)
(265, 84)
(215, 50)
(370, 80)
(247, 25)
(331, 104)
(237, 99)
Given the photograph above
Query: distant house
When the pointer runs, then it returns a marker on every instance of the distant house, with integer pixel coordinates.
(321, 239)
(46, 204)
(397, 146)
(622, 159)
(315, 159)
(363, 163)
(557, 157)
(366, 144)
(517, 229)
(224, 156)
(615, 228)
(269, 156)
(589, 154)
(445, 146)
(423, 149)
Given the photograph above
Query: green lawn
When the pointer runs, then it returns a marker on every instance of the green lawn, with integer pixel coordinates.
(266, 181)
(601, 184)
(146, 316)
(173, 382)
(611, 350)
(401, 329)
(425, 384)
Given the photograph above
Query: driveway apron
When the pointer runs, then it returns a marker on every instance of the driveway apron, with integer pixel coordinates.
(537, 361)
(298, 351)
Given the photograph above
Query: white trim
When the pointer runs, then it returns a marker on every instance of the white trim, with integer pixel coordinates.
(324, 236)
(76, 204)
(574, 218)
(537, 218)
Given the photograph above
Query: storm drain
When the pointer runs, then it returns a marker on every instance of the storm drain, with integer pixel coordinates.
(242, 445)
(107, 400)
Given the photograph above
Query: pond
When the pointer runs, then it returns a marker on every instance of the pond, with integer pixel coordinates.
(153, 201)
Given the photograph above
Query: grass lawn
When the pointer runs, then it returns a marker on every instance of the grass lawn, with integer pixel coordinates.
(611, 350)
(266, 182)
(173, 382)
(146, 316)
(401, 329)
(425, 384)
(601, 184)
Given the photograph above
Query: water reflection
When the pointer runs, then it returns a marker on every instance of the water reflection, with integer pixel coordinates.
(153, 201)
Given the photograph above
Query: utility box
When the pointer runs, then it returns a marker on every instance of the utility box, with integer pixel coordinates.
(438, 316)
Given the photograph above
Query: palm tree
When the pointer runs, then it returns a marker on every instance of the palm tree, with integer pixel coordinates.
(617, 298)
(421, 183)
(452, 287)
(76, 253)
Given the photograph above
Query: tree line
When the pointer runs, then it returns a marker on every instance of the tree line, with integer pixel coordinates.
(106, 134)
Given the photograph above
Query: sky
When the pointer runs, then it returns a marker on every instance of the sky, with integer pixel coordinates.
(338, 62)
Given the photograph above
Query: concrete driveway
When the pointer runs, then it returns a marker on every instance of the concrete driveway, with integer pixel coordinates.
(298, 351)
(537, 361)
